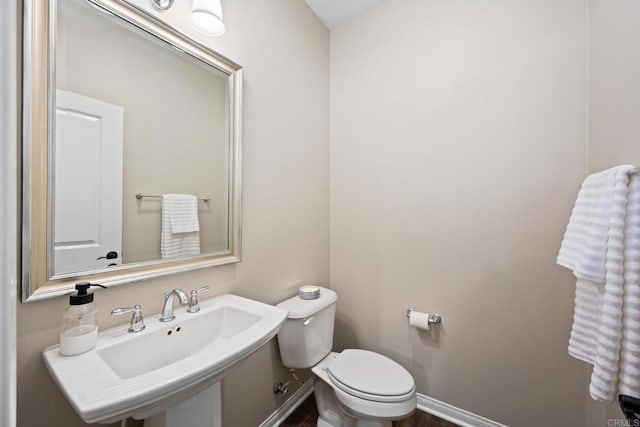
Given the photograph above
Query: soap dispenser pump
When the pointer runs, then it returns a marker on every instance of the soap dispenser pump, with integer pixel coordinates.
(79, 327)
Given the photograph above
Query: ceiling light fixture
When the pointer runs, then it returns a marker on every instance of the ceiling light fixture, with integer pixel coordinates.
(206, 15)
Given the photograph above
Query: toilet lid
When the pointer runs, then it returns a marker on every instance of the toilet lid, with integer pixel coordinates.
(371, 376)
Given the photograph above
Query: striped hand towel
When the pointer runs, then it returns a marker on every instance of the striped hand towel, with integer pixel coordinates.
(600, 247)
(180, 227)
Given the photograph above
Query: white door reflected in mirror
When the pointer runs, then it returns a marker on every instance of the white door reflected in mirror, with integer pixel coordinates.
(88, 183)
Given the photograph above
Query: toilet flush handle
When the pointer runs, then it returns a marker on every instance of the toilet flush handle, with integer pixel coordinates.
(308, 321)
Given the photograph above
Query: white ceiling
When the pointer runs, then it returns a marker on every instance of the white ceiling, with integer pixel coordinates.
(334, 12)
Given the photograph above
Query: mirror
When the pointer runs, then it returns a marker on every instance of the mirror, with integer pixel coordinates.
(131, 148)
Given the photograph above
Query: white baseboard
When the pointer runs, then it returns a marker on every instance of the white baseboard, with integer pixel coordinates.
(453, 414)
(279, 415)
(427, 404)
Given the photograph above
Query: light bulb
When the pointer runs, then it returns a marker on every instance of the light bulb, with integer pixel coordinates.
(206, 16)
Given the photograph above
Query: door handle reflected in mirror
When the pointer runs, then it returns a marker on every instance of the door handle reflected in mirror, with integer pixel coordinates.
(110, 255)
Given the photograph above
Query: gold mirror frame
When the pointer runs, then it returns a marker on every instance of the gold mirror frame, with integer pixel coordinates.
(38, 85)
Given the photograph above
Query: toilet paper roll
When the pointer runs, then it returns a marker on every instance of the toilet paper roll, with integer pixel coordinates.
(419, 320)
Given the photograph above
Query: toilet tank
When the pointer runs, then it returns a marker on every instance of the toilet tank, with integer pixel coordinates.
(306, 337)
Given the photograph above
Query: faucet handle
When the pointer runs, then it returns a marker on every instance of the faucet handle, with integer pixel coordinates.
(194, 306)
(137, 321)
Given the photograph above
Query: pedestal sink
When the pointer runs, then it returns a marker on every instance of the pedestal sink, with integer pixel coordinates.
(144, 373)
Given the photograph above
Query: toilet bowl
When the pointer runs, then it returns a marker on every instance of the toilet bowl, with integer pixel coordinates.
(370, 389)
(357, 388)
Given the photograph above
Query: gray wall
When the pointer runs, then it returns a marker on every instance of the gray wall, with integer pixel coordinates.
(614, 83)
(458, 133)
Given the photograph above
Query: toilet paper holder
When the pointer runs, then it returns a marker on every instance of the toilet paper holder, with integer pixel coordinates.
(434, 319)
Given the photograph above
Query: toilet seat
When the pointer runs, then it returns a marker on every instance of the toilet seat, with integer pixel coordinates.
(371, 376)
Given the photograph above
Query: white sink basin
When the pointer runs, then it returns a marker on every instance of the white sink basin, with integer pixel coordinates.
(140, 374)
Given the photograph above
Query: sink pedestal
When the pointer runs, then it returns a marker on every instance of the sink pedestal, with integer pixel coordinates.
(202, 410)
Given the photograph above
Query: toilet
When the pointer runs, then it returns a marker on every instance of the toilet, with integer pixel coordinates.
(356, 388)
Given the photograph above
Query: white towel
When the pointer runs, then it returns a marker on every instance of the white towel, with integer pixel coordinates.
(583, 341)
(181, 210)
(180, 234)
(584, 247)
(601, 246)
(629, 377)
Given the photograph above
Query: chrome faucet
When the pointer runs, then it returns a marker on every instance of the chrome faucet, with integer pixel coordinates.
(167, 308)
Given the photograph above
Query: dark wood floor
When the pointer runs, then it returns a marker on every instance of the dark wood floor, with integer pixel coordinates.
(306, 415)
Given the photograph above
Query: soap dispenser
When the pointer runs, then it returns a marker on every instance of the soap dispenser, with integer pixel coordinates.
(79, 327)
